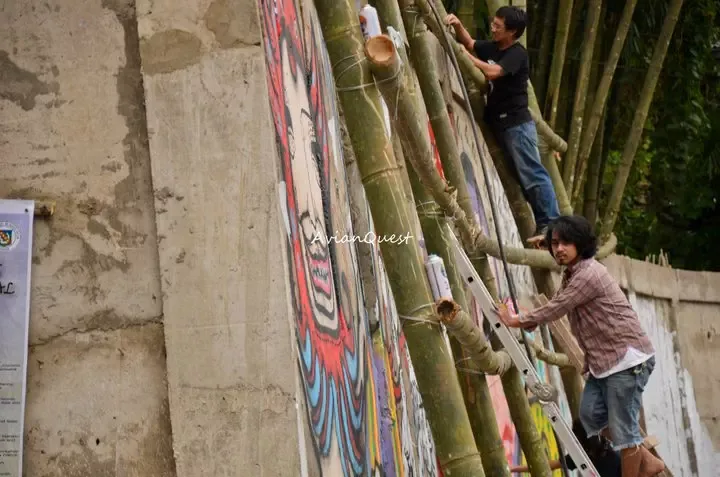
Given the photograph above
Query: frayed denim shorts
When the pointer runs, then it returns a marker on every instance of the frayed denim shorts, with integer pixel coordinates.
(615, 402)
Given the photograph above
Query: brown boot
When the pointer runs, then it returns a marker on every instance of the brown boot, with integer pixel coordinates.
(651, 465)
(631, 460)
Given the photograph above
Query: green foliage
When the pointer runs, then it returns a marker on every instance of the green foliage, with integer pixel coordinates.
(671, 198)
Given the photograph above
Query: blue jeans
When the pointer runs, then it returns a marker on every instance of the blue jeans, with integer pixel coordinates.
(520, 144)
(615, 402)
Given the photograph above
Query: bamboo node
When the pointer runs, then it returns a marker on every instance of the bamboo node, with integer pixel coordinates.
(417, 26)
(455, 460)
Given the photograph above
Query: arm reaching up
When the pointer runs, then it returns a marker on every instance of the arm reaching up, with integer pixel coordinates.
(463, 36)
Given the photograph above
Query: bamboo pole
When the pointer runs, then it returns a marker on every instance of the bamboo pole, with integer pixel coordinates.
(383, 60)
(570, 69)
(580, 181)
(546, 39)
(476, 393)
(386, 68)
(389, 14)
(428, 78)
(466, 14)
(592, 22)
(543, 354)
(556, 68)
(459, 323)
(638, 124)
(603, 90)
(360, 225)
(592, 186)
(421, 56)
(437, 381)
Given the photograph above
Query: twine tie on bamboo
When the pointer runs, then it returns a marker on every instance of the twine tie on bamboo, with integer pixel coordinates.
(467, 370)
(410, 316)
(374, 82)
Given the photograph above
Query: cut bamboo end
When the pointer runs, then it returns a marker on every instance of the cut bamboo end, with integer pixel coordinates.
(380, 50)
(447, 310)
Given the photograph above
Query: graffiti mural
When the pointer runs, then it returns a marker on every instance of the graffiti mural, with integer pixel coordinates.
(364, 412)
(331, 334)
(385, 453)
(418, 448)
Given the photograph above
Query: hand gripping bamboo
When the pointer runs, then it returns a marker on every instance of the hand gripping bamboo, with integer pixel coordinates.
(546, 393)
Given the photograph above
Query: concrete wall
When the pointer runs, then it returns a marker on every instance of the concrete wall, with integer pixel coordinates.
(230, 365)
(680, 311)
(182, 323)
(72, 129)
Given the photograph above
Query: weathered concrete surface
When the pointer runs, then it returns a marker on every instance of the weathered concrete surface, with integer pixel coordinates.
(83, 144)
(72, 129)
(231, 368)
(98, 407)
(679, 310)
(697, 298)
(699, 339)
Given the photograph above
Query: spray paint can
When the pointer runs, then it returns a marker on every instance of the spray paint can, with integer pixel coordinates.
(370, 26)
(369, 22)
(437, 276)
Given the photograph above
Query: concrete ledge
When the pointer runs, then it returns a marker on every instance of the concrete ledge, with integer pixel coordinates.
(660, 282)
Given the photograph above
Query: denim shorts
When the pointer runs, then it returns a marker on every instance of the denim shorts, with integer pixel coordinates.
(615, 402)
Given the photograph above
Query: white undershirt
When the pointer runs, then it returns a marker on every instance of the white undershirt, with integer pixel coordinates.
(632, 358)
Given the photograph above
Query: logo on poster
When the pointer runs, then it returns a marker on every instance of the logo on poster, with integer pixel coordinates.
(9, 236)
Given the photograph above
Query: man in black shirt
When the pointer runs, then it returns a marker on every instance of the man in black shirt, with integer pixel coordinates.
(505, 63)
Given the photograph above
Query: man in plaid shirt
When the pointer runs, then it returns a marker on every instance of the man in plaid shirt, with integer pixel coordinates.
(619, 356)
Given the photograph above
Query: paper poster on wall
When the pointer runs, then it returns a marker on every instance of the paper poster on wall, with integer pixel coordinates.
(16, 224)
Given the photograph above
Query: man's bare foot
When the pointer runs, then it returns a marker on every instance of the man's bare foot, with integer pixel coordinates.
(538, 238)
(537, 241)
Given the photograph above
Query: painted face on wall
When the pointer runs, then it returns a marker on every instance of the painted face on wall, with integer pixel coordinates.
(306, 162)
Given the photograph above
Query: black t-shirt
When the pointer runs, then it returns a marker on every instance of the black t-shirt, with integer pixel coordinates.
(608, 465)
(507, 100)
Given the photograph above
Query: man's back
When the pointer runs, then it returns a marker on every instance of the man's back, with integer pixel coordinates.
(507, 101)
(605, 323)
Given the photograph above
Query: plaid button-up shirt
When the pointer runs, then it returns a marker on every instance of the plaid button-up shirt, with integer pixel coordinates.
(601, 317)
